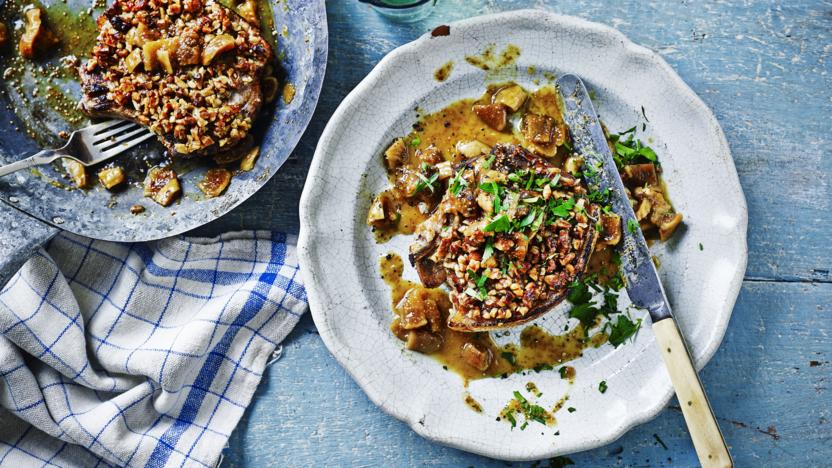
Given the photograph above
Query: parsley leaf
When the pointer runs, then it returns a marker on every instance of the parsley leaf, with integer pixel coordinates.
(622, 330)
(529, 218)
(632, 226)
(488, 251)
(531, 411)
(498, 224)
(631, 150)
(585, 312)
(602, 387)
(457, 183)
(561, 210)
(488, 162)
(426, 182)
(579, 293)
(490, 187)
(416, 141)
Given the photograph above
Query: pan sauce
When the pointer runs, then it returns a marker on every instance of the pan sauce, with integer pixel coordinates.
(537, 349)
(404, 209)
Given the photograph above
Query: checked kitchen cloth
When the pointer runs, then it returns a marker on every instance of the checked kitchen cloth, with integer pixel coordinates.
(140, 354)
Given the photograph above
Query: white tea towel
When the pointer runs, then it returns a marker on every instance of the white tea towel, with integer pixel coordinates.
(141, 354)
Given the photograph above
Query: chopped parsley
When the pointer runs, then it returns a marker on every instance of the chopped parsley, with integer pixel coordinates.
(585, 313)
(564, 372)
(531, 411)
(561, 209)
(632, 226)
(416, 141)
(488, 252)
(488, 162)
(479, 280)
(571, 409)
(499, 224)
(510, 416)
(602, 387)
(701, 247)
(426, 182)
(554, 182)
(457, 183)
(529, 218)
(631, 150)
(622, 330)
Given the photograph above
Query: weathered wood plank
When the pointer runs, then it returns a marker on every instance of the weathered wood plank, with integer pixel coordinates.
(768, 384)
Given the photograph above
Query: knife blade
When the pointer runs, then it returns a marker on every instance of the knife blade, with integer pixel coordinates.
(642, 280)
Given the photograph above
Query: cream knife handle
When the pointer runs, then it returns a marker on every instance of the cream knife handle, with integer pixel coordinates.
(704, 431)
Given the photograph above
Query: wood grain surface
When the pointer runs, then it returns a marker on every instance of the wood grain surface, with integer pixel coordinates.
(764, 69)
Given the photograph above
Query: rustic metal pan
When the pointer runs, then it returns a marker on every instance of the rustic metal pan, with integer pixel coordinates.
(35, 205)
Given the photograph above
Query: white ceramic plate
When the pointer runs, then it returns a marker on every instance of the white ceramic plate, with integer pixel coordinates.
(351, 304)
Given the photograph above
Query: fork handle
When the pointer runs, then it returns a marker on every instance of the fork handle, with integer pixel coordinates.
(704, 431)
(37, 159)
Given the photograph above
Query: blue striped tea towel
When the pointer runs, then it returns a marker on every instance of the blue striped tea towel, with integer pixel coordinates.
(140, 354)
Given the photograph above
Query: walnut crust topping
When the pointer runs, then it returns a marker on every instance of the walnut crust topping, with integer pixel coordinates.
(190, 70)
(509, 242)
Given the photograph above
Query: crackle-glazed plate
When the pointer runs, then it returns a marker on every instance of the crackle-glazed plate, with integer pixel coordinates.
(340, 258)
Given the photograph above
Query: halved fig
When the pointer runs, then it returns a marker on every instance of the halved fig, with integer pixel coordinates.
(215, 182)
(512, 97)
(162, 185)
(637, 175)
(476, 357)
(396, 153)
(423, 341)
(610, 229)
(494, 115)
(110, 177)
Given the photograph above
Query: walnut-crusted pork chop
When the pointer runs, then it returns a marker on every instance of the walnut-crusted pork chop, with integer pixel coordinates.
(190, 70)
(509, 236)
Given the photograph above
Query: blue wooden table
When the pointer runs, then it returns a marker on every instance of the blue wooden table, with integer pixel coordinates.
(766, 71)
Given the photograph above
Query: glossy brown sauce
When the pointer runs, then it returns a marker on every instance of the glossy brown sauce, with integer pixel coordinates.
(537, 350)
(443, 130)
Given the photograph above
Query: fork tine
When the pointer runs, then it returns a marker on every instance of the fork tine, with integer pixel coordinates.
(102, 138)
(101, 126)
(120, 138)
(125, 146)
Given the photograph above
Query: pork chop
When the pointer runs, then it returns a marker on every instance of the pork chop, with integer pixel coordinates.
(189, 70)
(510, 235)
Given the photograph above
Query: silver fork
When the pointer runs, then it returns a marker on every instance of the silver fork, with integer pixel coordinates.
(89, 145)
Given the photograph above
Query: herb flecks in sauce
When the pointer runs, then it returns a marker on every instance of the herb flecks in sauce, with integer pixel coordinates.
(472, 403)
(444, 72)
(489, 60)
(521, 406)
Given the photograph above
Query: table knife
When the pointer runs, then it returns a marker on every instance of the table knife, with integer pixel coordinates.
(642, 280)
